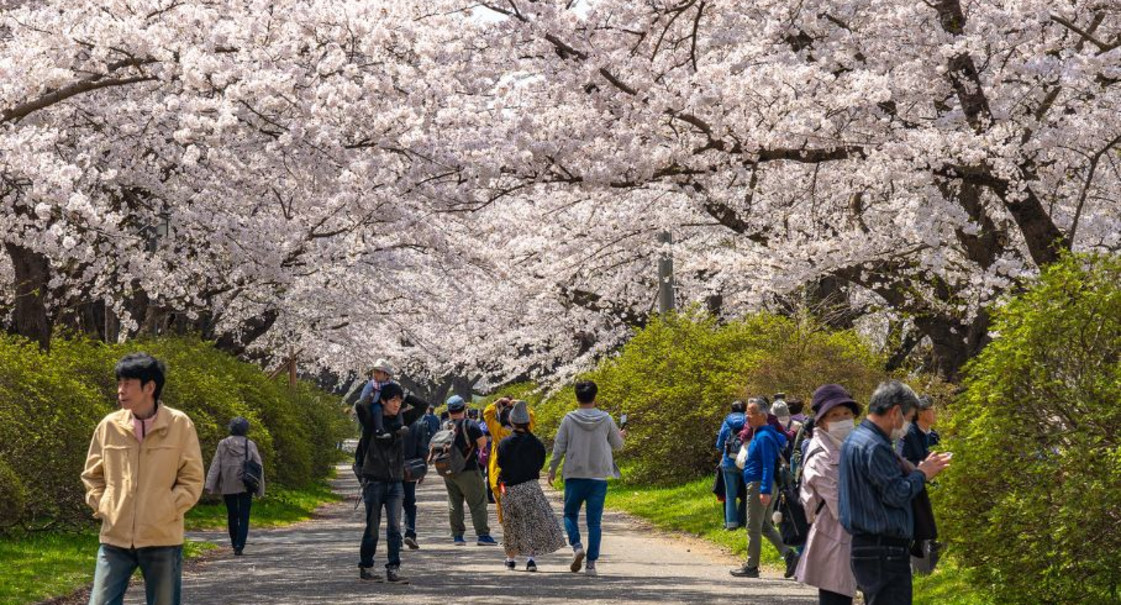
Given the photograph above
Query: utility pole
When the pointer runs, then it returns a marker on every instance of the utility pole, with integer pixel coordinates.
(665, 274)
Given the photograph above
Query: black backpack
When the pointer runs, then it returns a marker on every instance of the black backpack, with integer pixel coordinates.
(792, 522)
(733, 443)
(251, 472)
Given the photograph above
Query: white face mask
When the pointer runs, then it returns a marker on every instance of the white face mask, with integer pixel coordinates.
(839, 429)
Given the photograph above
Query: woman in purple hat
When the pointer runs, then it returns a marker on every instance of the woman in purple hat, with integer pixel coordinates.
(825, 560)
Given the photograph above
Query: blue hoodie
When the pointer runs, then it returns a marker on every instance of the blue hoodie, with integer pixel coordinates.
(733, 424)
(762, 455)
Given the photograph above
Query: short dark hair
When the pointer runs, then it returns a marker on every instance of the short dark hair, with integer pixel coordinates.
(144, 368)
(739, 406)
(890, 394)
(239, 427)
(389, 391)
(586, 391)
(795, 406)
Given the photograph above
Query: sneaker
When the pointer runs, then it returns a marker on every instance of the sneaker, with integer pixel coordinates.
(731, 526)
(530, 565)
(459, 541)
(577, 560)
(366, 573)
(410, 541)
(393, 577)
(745, 572)
(486, 540)
(791, 558)
(511, 564)
(237, 552)
(591, 569)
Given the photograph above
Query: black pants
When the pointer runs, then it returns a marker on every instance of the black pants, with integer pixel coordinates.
(237, 517)
(883, 570)
(410, 509)
(825, 597)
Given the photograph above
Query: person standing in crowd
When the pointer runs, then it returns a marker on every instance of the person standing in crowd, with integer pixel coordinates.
(384, 471)
(789, 426)
(415, 447)
(825, 562)
(585, 442)
(467, 485)
(529, 527)
(224, 478)
(796, 406)
(728, 444)
(497, 419)
(876, 490)
(765, 406)
(759, 476)
(915, 446)
(432, 421)
(141, 509)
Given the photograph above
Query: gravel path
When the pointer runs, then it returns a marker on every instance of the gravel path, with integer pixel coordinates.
(316, 562)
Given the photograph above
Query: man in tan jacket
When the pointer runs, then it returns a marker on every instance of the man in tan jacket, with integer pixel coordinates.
(143, 473)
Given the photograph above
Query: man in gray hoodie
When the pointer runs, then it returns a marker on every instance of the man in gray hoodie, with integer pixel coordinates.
(585, 440)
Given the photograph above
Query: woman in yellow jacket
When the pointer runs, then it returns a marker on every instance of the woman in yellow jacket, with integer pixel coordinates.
(497, 417)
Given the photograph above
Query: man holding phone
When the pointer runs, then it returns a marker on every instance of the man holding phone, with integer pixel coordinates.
(585, 440)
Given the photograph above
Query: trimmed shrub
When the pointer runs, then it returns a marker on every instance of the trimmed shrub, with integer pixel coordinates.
(1032, 502)
(50, 404)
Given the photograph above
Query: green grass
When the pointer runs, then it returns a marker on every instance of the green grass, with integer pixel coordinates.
(691, 508)
(279, 507)
(38, 566)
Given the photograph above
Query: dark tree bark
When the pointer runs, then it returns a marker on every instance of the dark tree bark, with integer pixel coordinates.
(32, 274)
(235, 343)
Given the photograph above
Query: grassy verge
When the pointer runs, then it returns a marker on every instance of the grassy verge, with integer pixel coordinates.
(691, 508)
(38, 566)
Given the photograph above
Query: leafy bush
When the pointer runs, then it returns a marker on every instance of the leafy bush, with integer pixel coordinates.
(1033, 500)
(50, 404)
(677, 377)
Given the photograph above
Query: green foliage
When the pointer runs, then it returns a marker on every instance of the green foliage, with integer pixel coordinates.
(1033, 499)
(50, 404)
(676, 378)
(279, 507)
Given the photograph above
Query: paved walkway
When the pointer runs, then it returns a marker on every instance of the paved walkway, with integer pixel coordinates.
(316, 562)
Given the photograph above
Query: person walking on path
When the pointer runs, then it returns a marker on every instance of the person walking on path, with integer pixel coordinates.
(728, 443)
(825, 562)
(383, 470)
(759, 475)
(415, 447)
(141, 509)
(585, 441)
(224, 478)
(529, 527)
(468, 484)
(876, 490)
(497, 419)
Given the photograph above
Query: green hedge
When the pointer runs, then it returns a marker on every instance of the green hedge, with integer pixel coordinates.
(1032, 502)
(676, 378)
(50, 404)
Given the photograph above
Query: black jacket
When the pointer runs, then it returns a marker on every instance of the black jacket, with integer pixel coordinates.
(384, 459)
(416, 442)
(914, 446)
(520, 456)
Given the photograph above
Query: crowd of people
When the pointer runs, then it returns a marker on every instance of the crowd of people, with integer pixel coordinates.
(862, 487)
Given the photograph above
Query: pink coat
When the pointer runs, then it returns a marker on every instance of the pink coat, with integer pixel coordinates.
(825, 560)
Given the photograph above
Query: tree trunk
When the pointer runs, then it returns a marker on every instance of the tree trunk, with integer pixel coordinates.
(32, 273)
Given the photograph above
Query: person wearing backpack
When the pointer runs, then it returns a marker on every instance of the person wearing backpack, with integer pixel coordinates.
(825, 560)
(462, 478)
(226, 477)
(728, 443)
(759, 475)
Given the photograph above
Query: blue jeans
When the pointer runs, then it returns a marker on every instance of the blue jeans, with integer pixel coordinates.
(735, 506)
(237, 517)
(581, 492)
(410, 509)
(377, 494)
(882, 571)
(162, 567)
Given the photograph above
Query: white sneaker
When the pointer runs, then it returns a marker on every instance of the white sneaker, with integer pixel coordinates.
(577, 560)
(591, 569)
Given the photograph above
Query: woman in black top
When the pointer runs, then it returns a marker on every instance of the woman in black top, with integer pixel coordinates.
(529, 526)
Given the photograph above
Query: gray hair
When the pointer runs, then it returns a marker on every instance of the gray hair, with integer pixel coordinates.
(890, 394)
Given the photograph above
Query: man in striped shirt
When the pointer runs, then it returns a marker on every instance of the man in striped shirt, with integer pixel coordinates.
(876, 489)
